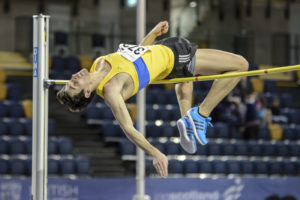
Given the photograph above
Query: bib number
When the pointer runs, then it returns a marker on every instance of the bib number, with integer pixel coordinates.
(132, 52)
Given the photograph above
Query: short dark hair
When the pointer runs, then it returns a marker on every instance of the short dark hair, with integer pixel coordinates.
(76, 103)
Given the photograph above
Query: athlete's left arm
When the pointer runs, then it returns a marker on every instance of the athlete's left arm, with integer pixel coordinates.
(159, 29)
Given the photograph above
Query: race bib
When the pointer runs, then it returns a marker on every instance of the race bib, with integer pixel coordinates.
(132, 52)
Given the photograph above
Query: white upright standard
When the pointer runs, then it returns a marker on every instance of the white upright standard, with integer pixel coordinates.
(40, 107)
(141, 111)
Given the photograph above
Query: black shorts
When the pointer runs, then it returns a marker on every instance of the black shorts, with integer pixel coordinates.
(184, 56)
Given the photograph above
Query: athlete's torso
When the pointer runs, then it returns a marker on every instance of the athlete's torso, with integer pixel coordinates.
(159, 61)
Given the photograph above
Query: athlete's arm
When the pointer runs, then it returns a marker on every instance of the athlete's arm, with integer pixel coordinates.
(116, 102)
(159, 29)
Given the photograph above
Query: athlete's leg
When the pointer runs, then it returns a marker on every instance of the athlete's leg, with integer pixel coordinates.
(184, 93)
(209, 62)
(213, 62)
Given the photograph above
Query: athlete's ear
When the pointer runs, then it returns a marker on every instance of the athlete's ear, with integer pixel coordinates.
(87, 93)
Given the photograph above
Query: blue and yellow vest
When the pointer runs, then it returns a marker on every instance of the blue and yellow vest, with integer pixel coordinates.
(154, 64)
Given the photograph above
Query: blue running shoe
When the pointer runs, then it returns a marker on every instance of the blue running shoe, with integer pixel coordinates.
(199, 124)
(187, 138)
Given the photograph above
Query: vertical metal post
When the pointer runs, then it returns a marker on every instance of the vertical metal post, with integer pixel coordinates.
(140, 163)
(40, 107)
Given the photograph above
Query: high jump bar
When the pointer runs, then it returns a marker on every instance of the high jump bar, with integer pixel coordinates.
(210, 77)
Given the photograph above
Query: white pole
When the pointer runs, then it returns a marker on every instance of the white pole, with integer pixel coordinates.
(40, 107)
(140, 163)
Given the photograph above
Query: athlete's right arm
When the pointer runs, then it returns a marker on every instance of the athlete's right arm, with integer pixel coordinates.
(159, 29)
(116, 102)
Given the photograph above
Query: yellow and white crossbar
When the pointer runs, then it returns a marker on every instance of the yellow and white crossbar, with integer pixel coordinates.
(213, 77)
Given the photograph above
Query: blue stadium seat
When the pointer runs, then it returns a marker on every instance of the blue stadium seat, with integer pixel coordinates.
(3, 127)
(169, 131)
(58, 63)
(241, 149)
(202, 150)
(269, 86)
(247, 167)
(15, 109)
(289, 168)
(67, 166)
(127, 147)
(3, 109)
(53, 166)
(17, 146)
(211, 132)
(163, 114)
(65, 145)
(220, 167)
(297, 131)
(254, 148)
(294, 150)
(4, 166)
(264, 133)
(28, 145)
(229, 149)
(28, 127)
(72, 64)
(282, 150)
(176, 167)
(28, 166)
(82, 165)
(206, 167)
(261, 167)
(190, 167)
(222, 130)
(17, 166)
(286, 100)
(13, 91)
(151, 113)
(158, 96)
(172, 99)
(214, 149)
(112, 130)
(172, 148)
(4, 146)
(268, 150)
(234, 167)
(288, 132)
(51, 127)
(153, 130)
(16, 128)
(275, 168)
(52, 146)
(93, 112)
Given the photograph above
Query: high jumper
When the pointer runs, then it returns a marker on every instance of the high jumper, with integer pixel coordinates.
(118, 76)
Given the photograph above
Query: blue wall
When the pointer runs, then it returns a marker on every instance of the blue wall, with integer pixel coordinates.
(158, 189)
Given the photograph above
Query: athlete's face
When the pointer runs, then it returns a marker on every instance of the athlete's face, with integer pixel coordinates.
(78, 82)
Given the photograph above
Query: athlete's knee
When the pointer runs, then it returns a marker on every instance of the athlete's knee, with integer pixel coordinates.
(184, 89)
(243, 64)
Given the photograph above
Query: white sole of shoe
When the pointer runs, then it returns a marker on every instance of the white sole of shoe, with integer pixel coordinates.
(185, 141)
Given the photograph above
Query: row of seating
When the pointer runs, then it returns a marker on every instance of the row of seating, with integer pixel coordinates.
(64, 67)
(220, 130)
(10, 91)
(222, 148)
(242, 167)
(21, 165)
(22, 126)
(23, 145)
(12, 108)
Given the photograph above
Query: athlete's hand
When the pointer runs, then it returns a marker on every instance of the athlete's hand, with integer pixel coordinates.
(161, 28)
(160, 162)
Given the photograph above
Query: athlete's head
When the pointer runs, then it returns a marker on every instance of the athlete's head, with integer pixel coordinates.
(76, 94)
